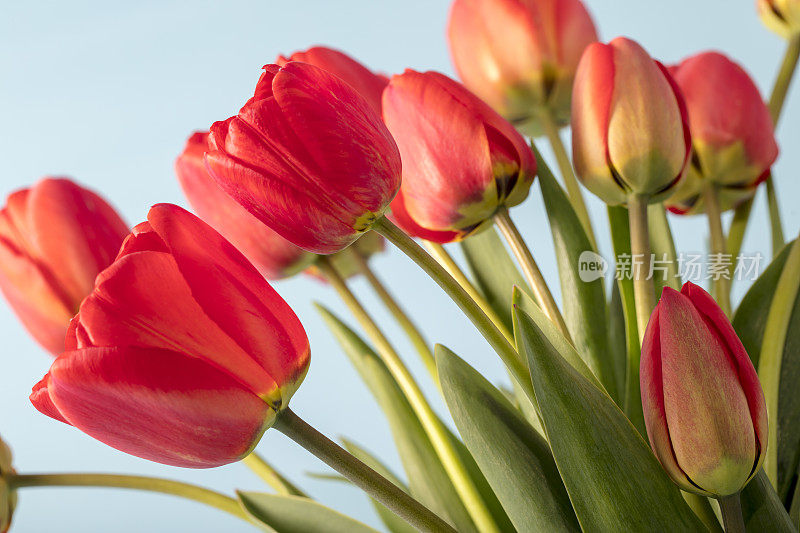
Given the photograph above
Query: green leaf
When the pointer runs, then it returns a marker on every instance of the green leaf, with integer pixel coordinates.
(514, 458)
(613, 479)
(762, 508)
(584, 302)
(617, 339)
(493, 271)
(428, 480)
(295, 514)
(665, 272)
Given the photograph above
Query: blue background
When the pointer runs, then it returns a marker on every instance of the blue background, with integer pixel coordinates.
(108, 93)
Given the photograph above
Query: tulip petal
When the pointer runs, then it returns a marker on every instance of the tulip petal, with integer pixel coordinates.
(236, 297)
(155, 404)
(400, 216)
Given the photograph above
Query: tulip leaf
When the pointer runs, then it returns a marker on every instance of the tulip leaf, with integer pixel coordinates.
(662, 246)
(762, 508)
(617, 339)
(512, 455)
(428, 480)
(493, 272)
(295, 514)
(612, 477)
(584, 302)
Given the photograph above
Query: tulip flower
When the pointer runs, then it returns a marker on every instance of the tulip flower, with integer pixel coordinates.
(630, 133)
(781, 16)
(8, 497)
(520, 56)
(274, 256)
(367, 83)
(402, 218)
(55, 237)
(182, 354)
(732, 133)
(462, 162)
(308, 156)
(703, 406)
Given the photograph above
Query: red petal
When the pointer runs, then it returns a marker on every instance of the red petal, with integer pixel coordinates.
(400, 216)
(40, 398)
(157, 404)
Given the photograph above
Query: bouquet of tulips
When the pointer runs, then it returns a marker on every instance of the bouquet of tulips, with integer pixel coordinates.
(646, 404)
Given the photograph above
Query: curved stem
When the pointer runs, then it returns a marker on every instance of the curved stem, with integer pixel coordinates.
(360, 474)
(731, 510)
(271, 477)
(721, 286)
(434, 428)
(402, 318)
(531, 271)
(446, 260)
(459, 295)
(738, 227)
(163, 486)
(775, 224)
(643, 288)
(784, 78)
(568, 175)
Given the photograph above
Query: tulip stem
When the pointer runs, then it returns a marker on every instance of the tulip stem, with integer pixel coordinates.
(641, 262)
(271, 477)
(411, 330)
(775, 224)
(446, 260)
(721, 283)
(360, 474)
(434, 428)
(531, 271)
(568, 175)
(163, 486)
(737, 229)
(731, 509)
(459, 295)
(784, 78)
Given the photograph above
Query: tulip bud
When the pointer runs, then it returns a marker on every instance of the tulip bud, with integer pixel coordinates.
(520, 56)
(630, 133)
(308, 156)
(703, 406)
(780, 16)
(367, 83)
(8, 497)
(55, 237)
(274, 256)
(182, 354)
(461, 160)
(732, 133)
(403, 220)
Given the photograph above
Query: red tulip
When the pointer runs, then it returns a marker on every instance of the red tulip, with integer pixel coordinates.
(274, 256)
(461, 160)
(520, 56)
(781, 16)
(307, 156)
(732, 132)
(402, 219)
(183, 353)
(703, 406)
(367, 83)
(630, 133)
(55, 237)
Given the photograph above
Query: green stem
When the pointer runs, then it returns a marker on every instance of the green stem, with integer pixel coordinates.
(643, 288)
(446, 260)
(459, 295)
(531, 270)
(568, 175)
(721, 286)
(163, 486)
(775, 225)
(731, 509)
(402, 318)
(360, 474)
(271, 477)
(434, 428)
(784, 78)
(663, 244)
(737, 230)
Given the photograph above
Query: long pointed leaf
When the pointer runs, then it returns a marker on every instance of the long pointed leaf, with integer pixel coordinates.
(295, 514)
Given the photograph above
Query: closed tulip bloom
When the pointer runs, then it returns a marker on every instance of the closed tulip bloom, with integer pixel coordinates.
(366, 82)
(183, 353)
(703, 405)
(781, 16)
(274, 256)
(520, 56)
(630, 133)
(55, 237)
(461, 160)
(732, 132)
(308, 156)
(403, 220)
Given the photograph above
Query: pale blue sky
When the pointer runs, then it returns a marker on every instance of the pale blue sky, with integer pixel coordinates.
(108, 93)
